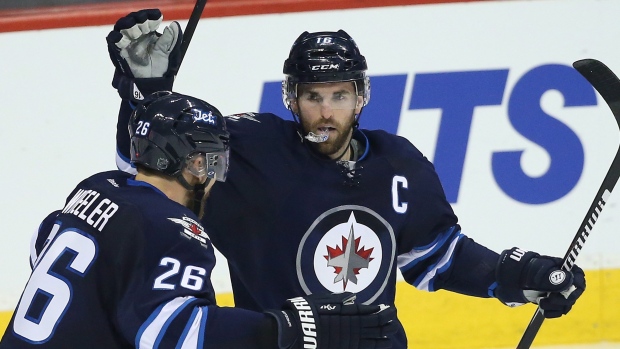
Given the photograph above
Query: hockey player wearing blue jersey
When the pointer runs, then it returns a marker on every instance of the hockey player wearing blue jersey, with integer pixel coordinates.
(325, 205)
(126, 263)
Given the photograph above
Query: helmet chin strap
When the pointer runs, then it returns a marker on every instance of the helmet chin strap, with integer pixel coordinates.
(199, 191)
(184, 182)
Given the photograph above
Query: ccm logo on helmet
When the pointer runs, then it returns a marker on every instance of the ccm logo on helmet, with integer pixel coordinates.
(325, 67)
(199, 115)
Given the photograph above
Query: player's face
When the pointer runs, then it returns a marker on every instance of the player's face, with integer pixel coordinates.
(328, 108)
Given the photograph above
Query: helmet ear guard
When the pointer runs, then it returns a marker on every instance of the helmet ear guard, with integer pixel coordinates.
(324, 57)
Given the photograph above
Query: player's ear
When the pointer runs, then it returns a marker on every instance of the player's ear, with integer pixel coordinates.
(294, 106)
(359, 105)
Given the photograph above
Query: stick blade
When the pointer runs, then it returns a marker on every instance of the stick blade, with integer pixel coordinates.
(603, 80)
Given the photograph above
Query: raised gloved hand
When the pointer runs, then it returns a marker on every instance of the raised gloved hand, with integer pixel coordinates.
(524, 276)
(146, 61)
(334, 321)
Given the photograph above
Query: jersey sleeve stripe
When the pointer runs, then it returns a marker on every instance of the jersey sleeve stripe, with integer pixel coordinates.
(425, 281)
(155, 326)
(194, 332)
(410, 259)
(124, 164)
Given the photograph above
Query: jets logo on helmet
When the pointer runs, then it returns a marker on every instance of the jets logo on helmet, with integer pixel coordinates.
(208, 118)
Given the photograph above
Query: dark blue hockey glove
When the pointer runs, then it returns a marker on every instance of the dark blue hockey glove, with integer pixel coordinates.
(524, 276)
(334, 321)
(145, 60)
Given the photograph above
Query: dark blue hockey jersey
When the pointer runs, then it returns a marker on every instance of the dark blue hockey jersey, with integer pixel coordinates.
(123, 266)
(291, 222)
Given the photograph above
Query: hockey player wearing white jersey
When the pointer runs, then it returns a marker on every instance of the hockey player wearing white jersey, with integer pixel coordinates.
(318, 204)
(127, 264)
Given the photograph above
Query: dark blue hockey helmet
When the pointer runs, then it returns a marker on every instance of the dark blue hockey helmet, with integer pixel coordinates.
(324, 57)
(169, 129)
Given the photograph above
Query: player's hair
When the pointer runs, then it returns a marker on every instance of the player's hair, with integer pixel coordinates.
(324, 57)
(167, 127)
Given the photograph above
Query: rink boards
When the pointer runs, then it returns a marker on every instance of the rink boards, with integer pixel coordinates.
(484, 89)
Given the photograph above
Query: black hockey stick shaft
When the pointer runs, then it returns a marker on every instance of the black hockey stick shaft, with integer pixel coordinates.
(191, 27)
(608, 86)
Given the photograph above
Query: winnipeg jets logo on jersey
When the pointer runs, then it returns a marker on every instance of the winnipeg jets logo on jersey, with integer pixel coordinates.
(348, 260)
(349, 248)
(192, 229)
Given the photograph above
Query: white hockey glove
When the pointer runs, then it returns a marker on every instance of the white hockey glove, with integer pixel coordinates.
(334, 321)
(146, 61)
(524, 276)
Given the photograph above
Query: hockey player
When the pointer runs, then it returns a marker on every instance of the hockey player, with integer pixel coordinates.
(324, 205)
(126, 263)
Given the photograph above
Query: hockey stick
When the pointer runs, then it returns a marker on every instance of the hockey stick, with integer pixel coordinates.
(191, 27)
(608, 86)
